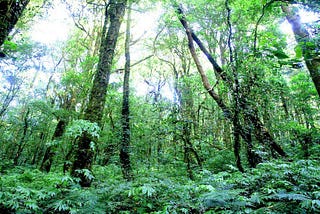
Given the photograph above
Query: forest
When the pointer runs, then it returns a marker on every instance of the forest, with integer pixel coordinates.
(145, 106)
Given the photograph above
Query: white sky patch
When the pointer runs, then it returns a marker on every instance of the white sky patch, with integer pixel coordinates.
(285, 27)
(144, 26)
(306, 17)
(54, 27)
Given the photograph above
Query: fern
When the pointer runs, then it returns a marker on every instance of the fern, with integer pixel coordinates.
(277, 187)
(284, 196)
(77, 127)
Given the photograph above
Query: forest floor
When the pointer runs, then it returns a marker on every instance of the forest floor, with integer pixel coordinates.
(273, 187)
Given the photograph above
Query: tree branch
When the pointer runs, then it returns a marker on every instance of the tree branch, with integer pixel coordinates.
(258, 22)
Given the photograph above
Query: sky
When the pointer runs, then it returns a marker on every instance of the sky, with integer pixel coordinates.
(58, 24)
(306, 17)
(55, 27)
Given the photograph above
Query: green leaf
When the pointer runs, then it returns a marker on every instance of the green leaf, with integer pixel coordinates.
(280, 54)
(61, 206)
(298, 51)
(10, 45)
(31, 204)
(147, 190)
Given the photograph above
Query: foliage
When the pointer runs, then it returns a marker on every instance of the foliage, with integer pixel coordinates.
(182, 145)
(77, 127)
(274, 187)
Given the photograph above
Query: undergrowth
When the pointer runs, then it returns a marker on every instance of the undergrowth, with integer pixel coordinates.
(273, 187)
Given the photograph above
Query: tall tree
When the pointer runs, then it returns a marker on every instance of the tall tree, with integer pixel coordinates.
(236, 95)
(10, 12)
(114, 11)
(23, 139)
(308, 44)
(260, 131)
(49, 153)
(125, 145)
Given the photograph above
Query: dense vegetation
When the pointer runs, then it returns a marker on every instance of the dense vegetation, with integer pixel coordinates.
(160, 107)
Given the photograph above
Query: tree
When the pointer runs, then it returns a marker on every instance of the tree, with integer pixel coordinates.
(306, 43)
(261, 133)
(125, 144)
(210, 104)
(94, 112)
(12, 91)
(10, 12)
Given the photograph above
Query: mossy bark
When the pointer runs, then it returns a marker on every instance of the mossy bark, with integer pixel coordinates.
(10, 12)
(49, 153)
(126, 135)
(261, 133)
(94, 112)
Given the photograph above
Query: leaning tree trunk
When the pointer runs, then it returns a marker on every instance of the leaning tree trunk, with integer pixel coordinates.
(309, 48)
(10, 12)
(94, 112)
(227, 113)
(125, 144)
(261, 133)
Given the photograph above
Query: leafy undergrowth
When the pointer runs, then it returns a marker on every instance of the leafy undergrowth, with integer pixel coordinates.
(274, 187)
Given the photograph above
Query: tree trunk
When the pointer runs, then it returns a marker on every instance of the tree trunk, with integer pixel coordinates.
(10, 12)
(125, 145)
(260, 130)
(11, 94)
(49, 154)
(37, 149)
(23, 139)
(236, 120)
(303, 38)
(94, 111)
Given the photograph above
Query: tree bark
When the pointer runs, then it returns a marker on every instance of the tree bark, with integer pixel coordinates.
(125, 144)
(236, 120)
(49, 154)
(11, 94)
(23, 138)
(208, 87)
(303, 38)
(94, 112)
(10, 12)
(261, 133)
